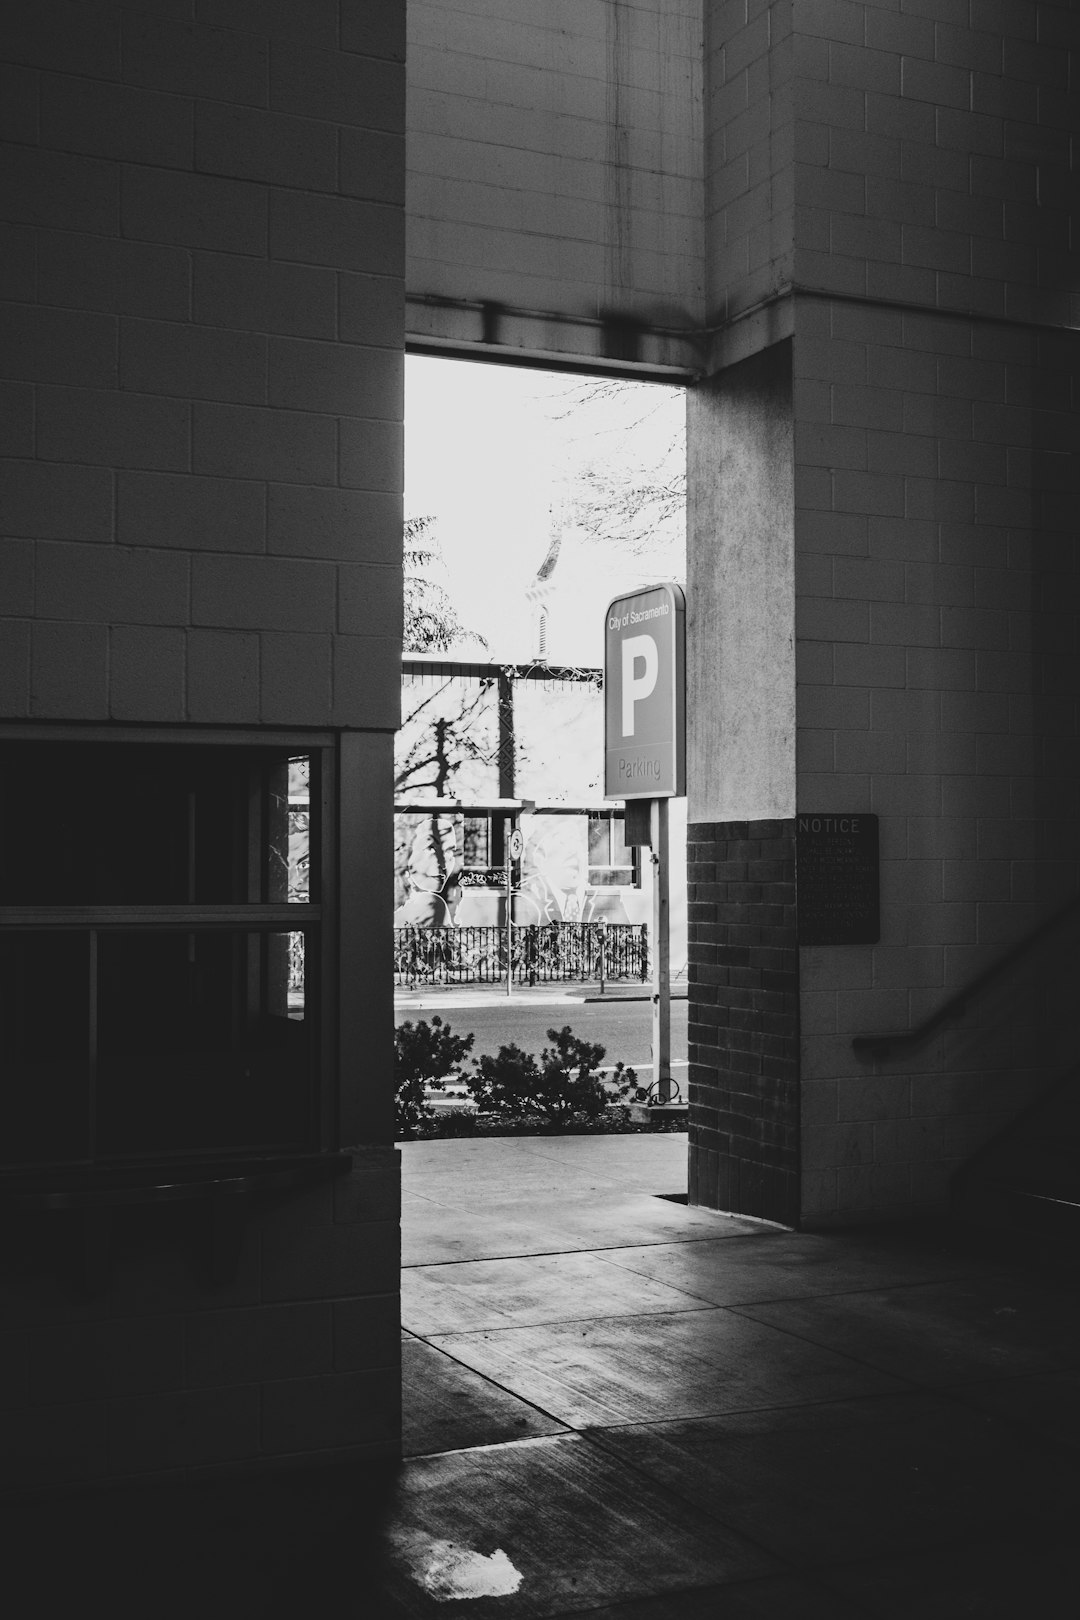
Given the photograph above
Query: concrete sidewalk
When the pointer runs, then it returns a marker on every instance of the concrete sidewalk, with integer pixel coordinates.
(541, 995)
(648, 1411)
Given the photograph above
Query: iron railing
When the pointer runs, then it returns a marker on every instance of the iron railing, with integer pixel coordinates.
(540, 953)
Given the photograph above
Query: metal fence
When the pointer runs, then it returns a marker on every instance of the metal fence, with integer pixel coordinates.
(539, 954)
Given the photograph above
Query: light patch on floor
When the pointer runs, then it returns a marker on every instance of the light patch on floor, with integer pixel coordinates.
(449, 1571)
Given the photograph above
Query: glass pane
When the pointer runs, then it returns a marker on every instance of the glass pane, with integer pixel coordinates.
(477, 845)
(599, 841)
(299, 885)
(154, 825)
(611, 875)
(44, 1047)
(203, 1042)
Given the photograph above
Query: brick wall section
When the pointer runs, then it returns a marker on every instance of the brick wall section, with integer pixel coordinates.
(202, 272)
(168, 1374)
(744, 1012)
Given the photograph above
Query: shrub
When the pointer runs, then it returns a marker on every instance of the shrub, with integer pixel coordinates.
(563, 1087)
(504, 1084)
(425, 1056)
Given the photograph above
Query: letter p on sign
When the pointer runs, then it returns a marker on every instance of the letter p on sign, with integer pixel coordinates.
(637, 650)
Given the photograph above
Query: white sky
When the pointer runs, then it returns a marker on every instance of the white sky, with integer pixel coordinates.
(487, 455)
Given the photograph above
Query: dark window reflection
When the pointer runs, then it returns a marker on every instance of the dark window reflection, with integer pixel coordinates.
(126, 825)
(44, 1047)
(201, 1043)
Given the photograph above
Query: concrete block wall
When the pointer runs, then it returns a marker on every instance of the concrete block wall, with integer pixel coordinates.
(933, 146)
(555, 168)
(203, 274)
(936, 394)
(930, 291)
(168, 1374)
(937, 623)
(750, 60)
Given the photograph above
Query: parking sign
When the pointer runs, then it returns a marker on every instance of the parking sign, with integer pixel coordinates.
(644, 695)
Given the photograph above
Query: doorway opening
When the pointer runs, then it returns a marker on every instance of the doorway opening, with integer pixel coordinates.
(532, 498)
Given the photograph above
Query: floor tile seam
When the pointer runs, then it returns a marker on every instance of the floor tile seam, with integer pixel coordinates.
(490, 1445)
(551, 1156)
(506, 1390)
(803, 1338)
(632, 1316)
(574, 1426)
(707, 1522)
(539, 1254)
(712, 1520)
(779, 1407)
(800, 1568)
(747, 1309)
(840, 1237)
(779, 1299)
(511, 1324)
(461, 1289)
(690, 1293)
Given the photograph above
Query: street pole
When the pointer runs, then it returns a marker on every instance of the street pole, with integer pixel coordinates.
(507, 825)
(661, 931)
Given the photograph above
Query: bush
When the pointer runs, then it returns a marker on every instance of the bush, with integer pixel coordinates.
(564, 1087)
(425, 1056)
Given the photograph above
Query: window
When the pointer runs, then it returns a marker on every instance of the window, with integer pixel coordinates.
(477, 841)
(610, 861)
(159, 950)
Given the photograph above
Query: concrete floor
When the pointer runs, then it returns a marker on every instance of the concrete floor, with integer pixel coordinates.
(620, 1407)
(644, 1410)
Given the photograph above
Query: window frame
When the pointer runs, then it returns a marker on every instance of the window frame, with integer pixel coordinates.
(317, 916)
(609, 818)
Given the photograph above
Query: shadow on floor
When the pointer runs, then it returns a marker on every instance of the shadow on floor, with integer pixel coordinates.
(622, 1407)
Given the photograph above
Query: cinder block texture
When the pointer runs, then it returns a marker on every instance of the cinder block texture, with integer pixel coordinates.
(201, 325)
(202, 265)
(937, 617)
(933, 148)
(166, 1373)
(749, 116)
(527, 198)
(744, 1045)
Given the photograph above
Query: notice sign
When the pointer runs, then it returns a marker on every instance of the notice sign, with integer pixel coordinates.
(836, 870)
(644, 693)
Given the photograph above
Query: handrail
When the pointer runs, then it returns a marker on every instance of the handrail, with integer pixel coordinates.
(882, 1044)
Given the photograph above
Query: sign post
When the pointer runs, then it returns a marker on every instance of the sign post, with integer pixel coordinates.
(645, 758)
(514, 844)
(661, 1001)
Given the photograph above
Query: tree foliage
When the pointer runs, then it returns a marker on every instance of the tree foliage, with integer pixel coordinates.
(431, 623)
(626, 478)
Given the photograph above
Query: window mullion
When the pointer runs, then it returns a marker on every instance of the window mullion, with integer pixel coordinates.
(92, 1045)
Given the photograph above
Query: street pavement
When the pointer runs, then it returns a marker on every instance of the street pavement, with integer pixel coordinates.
(620, 1019)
